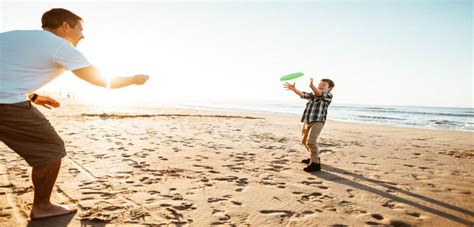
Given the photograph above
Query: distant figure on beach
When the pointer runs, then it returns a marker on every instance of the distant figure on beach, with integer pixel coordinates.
(30, 59)
(314, 117)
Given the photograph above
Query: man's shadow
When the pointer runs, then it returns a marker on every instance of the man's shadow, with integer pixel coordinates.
(58, 221)
(328, 174)
(63, 221)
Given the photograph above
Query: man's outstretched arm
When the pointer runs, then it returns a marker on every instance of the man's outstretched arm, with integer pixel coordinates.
(93, 76)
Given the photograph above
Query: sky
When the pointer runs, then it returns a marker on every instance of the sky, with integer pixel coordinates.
(378, 52)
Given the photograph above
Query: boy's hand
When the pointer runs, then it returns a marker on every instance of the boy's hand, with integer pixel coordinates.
(310, 81)
(289, 86)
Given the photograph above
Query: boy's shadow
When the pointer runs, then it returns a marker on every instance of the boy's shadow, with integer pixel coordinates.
(328, 174)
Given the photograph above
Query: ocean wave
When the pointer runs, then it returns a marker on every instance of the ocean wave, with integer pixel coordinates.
(122, 116)
(459, 119)
(446, 122)
(381, 118)
(468, 126)
(364, 108)
(411, 112)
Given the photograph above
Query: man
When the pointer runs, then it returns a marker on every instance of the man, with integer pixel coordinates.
(28, 61)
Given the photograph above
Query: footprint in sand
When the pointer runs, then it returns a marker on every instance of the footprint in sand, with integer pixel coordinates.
(281, 185)
(281, 213)
(235, 167)
(350, 193)
(329, 151)
(150, 200)
(308, 213)
(330, 208)
(377, 216)
(390, 204)
(236, 203)
(162, 158)
(313, 197)
(373, 223)
(185, 205)
(105, 195)
(213, 172)
(344, 203)
(73, 171)
(170, 213)
(227, 178)
(311, 182)
(414, 214)
(221, 216)
(153, 192)
(398, 223)
(242, 182)
(276, 168)
(215, 200)
(4, 216)
(365, 163)
(175, 149)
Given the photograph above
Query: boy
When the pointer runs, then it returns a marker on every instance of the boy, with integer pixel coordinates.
(314, 117)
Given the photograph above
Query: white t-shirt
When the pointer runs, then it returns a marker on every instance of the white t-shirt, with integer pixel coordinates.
(30, 59)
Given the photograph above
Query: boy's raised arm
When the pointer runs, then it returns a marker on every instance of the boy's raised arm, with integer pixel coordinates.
(292, 87)
(316, 91)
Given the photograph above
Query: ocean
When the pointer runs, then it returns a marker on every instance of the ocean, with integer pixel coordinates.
(442, 118)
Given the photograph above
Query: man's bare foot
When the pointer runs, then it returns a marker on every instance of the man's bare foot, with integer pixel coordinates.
(52, 211)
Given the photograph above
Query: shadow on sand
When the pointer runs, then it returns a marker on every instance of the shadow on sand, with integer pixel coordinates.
(58, 221)
(328, 173)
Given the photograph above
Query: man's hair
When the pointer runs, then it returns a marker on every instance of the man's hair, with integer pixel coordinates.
(330, 82)
(56, 17)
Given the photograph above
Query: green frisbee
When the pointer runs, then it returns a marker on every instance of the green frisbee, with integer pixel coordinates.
(291, 76)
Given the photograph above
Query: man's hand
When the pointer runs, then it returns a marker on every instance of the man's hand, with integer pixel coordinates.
(93, 76)
(140, 79)
(289, 86)
(46, 101)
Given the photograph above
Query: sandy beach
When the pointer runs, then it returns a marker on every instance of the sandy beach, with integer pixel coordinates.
(200, 168)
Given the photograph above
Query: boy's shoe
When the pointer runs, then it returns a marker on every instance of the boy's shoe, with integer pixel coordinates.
(313, 167)
(306, 161)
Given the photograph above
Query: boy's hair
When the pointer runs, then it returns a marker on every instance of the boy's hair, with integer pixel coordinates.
(330, 82)
(56, 17)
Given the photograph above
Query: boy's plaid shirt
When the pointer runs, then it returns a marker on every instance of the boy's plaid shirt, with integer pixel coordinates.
(317, 107)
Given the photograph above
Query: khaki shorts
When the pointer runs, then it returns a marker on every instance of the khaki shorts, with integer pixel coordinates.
(26, 131)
